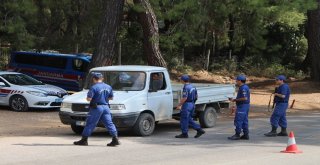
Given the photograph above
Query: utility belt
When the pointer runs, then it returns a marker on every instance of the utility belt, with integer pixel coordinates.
(190, 101)
(95, 105)
(240, 103)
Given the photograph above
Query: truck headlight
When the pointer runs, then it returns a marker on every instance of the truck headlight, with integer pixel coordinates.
(66, 105)
(37, 93)
(117, 107)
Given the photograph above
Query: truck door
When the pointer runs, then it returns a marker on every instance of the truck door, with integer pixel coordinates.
(160, 96)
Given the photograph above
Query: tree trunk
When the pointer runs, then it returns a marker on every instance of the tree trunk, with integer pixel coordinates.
(106, 39)
(148, 21)
(313, 35)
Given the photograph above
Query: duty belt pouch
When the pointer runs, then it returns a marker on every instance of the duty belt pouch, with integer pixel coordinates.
(93, 105)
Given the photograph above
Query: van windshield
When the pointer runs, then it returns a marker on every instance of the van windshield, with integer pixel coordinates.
(21, 79)
(121, 80)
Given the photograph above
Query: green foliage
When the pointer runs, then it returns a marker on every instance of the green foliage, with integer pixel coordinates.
(264, 37)
(224, 65)
(4, 57)
(15, 16)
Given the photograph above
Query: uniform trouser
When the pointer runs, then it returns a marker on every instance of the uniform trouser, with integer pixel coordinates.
(186, 119)
(102, 112)
(241, 119)
(279, 115)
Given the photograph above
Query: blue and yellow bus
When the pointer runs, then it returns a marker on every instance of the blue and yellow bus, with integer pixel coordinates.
(63, 70)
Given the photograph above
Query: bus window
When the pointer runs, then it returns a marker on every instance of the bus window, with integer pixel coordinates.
(54, 62)
(46, 61)
(79, 65)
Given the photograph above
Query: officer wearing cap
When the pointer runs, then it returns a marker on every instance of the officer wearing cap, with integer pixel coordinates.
(187, 106)
(243, 104)
(99, 96)
(278, 117)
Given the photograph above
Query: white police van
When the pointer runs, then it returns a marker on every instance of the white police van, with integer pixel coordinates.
(22, 92)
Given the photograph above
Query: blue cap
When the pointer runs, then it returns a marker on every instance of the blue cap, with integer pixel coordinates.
(241, 78)
(185, 77)
(96, 75)
(281, 77)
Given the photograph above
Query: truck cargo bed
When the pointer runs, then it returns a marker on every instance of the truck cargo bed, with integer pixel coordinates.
(207, 93)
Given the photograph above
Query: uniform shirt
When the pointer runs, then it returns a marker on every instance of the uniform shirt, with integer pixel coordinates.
(243, 91)
(190, 92)
(100, 92)
(284, 90)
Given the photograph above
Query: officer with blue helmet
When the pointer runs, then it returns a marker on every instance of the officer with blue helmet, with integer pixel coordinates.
(281, 99)
(243, 105)
(187, 106)
(99, 96)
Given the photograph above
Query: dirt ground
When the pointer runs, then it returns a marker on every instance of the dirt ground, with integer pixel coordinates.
(47, 123)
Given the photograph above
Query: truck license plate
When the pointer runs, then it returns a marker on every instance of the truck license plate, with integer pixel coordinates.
(80, 123)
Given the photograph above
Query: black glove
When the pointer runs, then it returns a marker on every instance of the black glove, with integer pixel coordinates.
(93, 105)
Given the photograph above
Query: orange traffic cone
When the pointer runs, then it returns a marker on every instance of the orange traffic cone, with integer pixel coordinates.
(292, 146)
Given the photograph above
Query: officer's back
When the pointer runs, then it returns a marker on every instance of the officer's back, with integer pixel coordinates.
(190, 92)
(100, 93)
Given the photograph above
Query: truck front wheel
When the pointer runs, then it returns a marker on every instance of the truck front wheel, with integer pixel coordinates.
(77, 129)
(208, 117)
(145, 124)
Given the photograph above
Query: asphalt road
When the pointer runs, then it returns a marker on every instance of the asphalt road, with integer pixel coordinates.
(29, 145)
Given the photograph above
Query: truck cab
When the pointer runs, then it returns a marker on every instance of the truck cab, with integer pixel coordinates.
(143, 95)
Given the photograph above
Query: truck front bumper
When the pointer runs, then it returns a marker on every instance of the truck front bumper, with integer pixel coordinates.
(121, 120)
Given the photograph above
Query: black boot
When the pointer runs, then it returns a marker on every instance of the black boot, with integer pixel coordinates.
(283, 132)
(272, 133)
(199, 133)
(114, 142)
(245, 137)
(183, 135)
(82, 142)
(234, 137)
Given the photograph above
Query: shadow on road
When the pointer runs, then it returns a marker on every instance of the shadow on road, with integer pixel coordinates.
(35, 110)
(51, 145)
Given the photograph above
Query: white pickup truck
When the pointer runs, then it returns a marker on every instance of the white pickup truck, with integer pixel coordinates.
(143, 96)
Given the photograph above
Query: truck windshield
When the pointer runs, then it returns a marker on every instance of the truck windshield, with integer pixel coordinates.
(122, 80)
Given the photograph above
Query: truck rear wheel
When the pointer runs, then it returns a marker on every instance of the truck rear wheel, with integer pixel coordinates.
(145, 124)
(77, 129)
(208, 117)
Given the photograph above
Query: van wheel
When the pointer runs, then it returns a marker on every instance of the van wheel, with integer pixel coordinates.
(77, 129)
(145, 124)
(18, 103)
(208, 117)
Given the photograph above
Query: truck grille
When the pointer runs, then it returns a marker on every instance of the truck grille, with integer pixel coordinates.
(80, 107)
(55, 104)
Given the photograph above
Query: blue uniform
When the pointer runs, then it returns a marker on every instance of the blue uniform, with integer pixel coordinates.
(99, 93)
(279, 114)
(241, 117)
(189, 92)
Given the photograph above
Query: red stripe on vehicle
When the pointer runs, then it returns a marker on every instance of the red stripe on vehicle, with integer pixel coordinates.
(6, 91)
